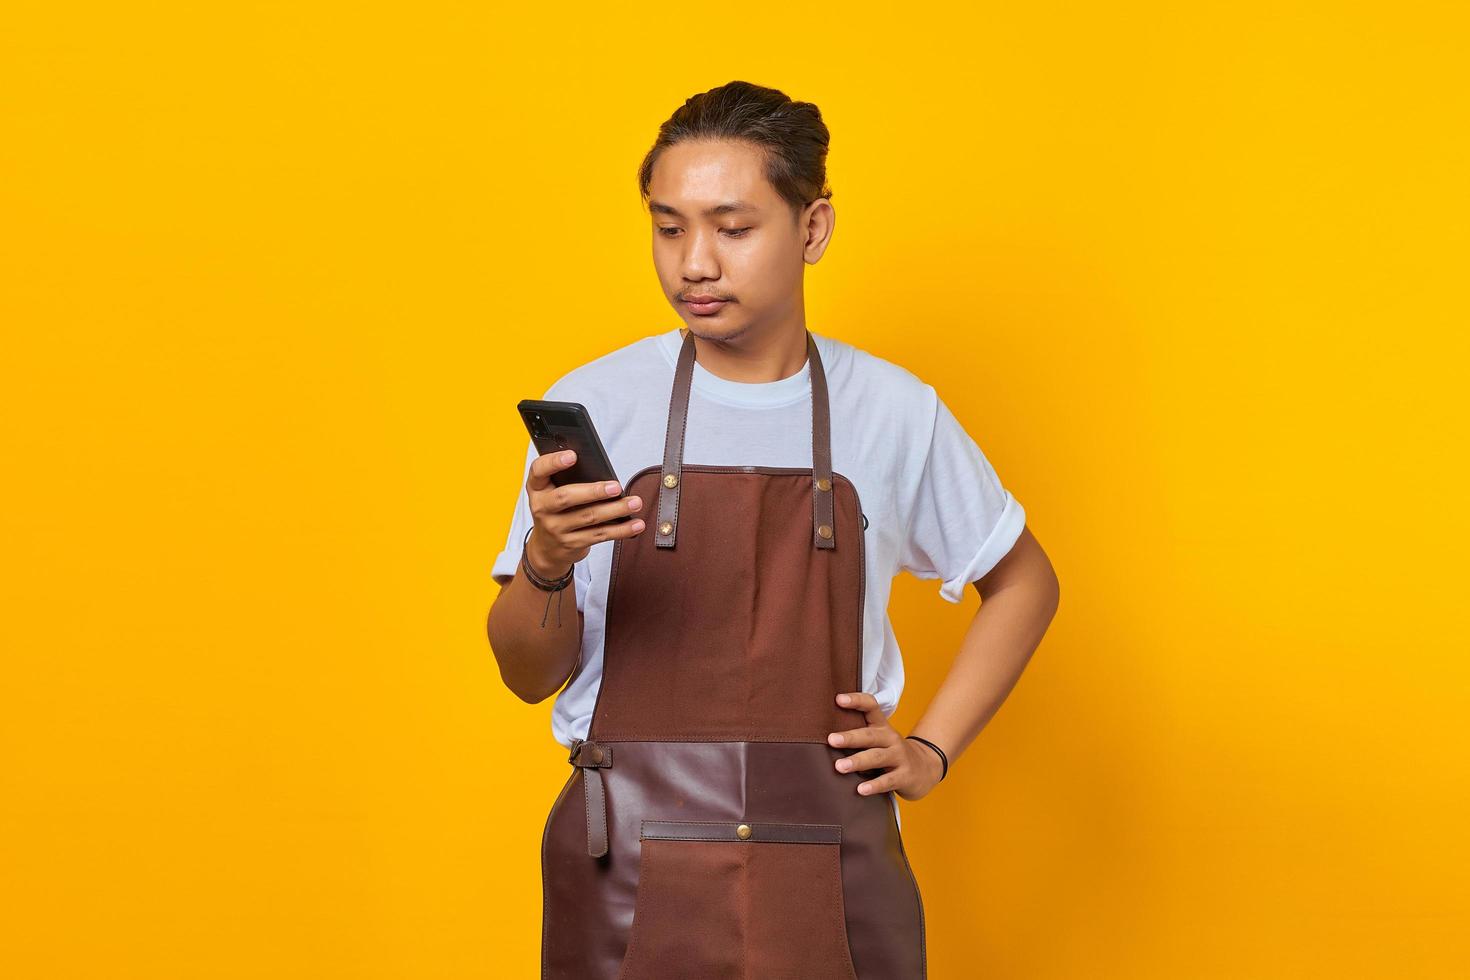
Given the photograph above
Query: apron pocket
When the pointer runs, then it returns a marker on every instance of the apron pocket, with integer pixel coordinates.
(723, 900)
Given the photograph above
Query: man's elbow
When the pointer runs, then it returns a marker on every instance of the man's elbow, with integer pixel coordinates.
(523, 689)
(530, 693)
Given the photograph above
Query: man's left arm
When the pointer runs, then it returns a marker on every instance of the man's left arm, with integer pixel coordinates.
(962, 526)
(1019, 597)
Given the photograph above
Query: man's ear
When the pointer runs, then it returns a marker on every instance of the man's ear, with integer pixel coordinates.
(818, 226)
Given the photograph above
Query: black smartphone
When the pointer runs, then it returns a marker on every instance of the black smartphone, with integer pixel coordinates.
(566, 425)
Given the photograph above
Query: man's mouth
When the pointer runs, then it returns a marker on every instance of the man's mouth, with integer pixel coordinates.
(704, 305)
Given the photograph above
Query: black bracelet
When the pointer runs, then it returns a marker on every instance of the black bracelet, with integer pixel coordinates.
(942, 757)
(543, 583)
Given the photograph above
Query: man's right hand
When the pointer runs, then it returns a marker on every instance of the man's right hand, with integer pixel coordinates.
(570, 519)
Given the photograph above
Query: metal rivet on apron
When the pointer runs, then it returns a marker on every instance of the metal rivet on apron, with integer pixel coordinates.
(666, 528)
(824, 484)
(825, 530)
(743, 831)
(671, 481)
(597, 753)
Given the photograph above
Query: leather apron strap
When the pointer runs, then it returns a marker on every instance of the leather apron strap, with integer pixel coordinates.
(823, 525)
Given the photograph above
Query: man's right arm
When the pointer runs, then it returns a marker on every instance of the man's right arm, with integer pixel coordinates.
(535, 659)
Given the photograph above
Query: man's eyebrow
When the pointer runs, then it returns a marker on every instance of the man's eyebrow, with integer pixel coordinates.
(728, 207)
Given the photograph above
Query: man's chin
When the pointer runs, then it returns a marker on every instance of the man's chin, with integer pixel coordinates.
(715, 328)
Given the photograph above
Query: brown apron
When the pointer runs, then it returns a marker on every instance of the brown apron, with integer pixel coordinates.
(703, 833)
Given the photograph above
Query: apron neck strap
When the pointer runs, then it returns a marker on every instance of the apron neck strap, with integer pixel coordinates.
(823, 526)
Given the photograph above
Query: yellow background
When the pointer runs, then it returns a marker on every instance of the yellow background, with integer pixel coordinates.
(274, 275)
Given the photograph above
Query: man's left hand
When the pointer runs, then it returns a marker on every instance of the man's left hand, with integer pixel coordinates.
(913, 769)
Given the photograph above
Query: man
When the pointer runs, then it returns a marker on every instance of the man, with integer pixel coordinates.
(730, 811)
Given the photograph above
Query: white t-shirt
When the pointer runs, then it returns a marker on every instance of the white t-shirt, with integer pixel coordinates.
(934, 504)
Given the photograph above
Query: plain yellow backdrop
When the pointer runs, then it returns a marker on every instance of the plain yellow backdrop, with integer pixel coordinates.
(273, 275)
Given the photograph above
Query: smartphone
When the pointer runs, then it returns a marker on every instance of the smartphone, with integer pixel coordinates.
(566, 425)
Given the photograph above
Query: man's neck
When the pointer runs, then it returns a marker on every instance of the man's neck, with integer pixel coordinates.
(751, 358)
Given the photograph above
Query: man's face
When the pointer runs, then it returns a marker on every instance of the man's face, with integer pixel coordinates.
(721, 231)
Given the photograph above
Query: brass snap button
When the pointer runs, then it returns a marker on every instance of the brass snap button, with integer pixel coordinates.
(825, 530)
(597, 755)
(824, 484)
(743, 831)
(671, 481)
(666, 528)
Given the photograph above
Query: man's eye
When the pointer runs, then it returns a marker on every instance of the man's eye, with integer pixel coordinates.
(669, 232)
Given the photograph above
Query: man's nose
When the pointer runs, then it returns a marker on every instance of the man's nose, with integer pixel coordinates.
(699, 257)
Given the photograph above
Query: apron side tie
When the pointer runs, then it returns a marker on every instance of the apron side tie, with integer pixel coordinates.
(591, 757)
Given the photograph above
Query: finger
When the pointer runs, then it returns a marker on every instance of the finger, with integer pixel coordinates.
(882, 757)
(889, 780)
(546, 464)
(864, 702)
(610, 531)
(560, 499)
(590, 515)
(860, 737)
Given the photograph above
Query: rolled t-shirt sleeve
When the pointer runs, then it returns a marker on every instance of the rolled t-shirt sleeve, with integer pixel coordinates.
(504, 567)
(962, 520)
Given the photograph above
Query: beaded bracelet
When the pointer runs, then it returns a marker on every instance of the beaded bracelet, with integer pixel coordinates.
(942, 757)
(543, 583)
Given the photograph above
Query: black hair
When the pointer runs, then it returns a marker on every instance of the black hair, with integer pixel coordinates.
(791, 134)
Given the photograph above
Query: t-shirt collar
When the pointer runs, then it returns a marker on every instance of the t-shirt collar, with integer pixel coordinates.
(745, 394)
